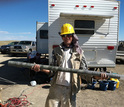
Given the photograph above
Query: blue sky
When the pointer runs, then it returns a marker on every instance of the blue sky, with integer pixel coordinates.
(18, 18)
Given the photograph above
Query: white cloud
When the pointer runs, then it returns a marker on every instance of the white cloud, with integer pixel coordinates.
(11, 37)
(5, 35)
(24, 33)
(4, 32)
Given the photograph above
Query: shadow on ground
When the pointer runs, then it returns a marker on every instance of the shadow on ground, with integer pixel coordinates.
(13, 75)
(10, 75)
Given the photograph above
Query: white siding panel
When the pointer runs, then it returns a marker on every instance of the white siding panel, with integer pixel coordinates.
(69, 5)
(106, 30)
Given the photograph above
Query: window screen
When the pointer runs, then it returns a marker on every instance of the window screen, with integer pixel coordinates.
(84, 26)
(44, 34)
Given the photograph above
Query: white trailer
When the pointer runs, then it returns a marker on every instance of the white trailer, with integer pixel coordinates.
(96, 23)
(42, 37)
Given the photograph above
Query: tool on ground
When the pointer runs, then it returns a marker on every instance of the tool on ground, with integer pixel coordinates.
(55, 68)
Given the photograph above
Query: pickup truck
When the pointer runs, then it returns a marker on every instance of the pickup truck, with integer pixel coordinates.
(6, 48)
(23, 47)
(120, 51)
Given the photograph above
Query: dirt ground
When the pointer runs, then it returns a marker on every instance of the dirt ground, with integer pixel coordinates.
(15, 81)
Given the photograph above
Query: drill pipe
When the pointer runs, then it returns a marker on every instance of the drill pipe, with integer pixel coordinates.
(56, 68)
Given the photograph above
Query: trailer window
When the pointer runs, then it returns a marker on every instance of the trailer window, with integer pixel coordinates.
(44, 34)
(84, 26)
(24, 43)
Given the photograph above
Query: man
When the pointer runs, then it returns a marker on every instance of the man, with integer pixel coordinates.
(64, 85)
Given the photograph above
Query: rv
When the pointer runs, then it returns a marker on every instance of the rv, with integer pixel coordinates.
(42, 37)
(96, 23)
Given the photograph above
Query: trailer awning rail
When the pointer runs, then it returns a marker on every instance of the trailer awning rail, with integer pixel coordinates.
(96, 15)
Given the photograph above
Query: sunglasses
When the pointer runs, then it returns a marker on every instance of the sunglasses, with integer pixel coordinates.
(67, 35)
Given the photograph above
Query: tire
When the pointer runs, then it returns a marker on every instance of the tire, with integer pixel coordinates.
(3, 52)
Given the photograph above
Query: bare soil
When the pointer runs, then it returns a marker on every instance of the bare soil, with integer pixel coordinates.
(15, 81)
(5, 42)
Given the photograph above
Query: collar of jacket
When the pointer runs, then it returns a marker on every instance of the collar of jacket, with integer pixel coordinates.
(63, 46)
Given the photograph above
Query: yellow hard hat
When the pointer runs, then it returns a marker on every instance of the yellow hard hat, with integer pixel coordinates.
(67, 29)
